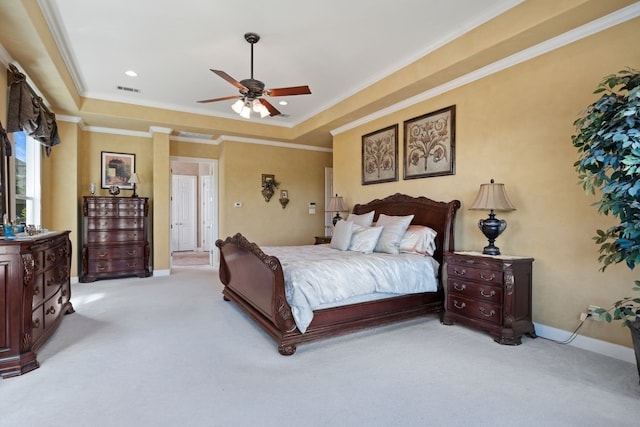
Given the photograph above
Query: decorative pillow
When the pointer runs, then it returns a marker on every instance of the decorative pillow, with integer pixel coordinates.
(419, 239)
(341, 235)
(364, 220)
(364, 239)
(394, 228)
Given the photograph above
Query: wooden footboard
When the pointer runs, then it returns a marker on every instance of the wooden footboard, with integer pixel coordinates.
(255, 281)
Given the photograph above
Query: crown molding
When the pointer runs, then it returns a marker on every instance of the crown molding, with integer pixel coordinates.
(586, 30)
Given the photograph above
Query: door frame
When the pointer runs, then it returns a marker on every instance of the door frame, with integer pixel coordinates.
(214, 171)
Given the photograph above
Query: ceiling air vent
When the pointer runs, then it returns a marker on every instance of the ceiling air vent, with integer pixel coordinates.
(128, 89)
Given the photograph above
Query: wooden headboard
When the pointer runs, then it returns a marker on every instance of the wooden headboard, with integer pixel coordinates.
(440, 216)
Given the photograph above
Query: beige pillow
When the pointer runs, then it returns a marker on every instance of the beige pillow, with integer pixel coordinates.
(419, 239)
(394, 228)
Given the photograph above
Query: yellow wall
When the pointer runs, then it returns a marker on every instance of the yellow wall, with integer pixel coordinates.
(301, 172)
(516, 126)
(196, 150)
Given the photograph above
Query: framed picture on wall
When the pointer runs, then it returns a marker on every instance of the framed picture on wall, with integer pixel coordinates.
(380, 156)
(429, 144)
(116, 169)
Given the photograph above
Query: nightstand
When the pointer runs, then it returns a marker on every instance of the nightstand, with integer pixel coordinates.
(492, 293)
(322, 239)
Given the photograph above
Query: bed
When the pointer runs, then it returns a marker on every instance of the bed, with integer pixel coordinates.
(255, 280)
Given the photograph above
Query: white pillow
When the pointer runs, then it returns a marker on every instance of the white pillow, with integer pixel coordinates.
(419, 239)
(364, 239)
(341, 235)
(364, 220)
(394, 228)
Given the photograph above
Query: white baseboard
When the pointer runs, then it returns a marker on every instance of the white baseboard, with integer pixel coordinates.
(162, 272)
(597, 346)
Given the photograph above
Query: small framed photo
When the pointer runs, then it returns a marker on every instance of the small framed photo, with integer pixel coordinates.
(117, 169)
(380, 156)
(429, 144)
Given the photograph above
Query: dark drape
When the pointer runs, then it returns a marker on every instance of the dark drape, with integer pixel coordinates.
(27, 112)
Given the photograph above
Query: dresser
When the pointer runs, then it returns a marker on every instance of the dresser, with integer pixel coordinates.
(35, 292)
(492, 293)
(115, 242)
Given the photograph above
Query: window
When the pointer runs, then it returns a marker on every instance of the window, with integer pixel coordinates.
(24, 170)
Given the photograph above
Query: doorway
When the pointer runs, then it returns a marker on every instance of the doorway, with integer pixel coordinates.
(194, 212)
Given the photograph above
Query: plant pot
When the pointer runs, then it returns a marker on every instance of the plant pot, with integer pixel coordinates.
(634, 327)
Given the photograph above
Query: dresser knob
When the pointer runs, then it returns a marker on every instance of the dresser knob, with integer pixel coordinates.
(491, 313)
(458, 305)
(51, 310)
(459, 272)
(489, 295)
(459, 287)
(36, 323)
(483, 276)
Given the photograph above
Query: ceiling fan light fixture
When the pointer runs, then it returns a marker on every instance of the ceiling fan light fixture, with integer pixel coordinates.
(246, 110)
(237, 106)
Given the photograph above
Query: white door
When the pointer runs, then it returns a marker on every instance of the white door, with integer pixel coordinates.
(183, 212)
(208, 212)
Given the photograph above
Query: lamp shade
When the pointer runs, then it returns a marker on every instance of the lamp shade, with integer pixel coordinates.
(133, 179)
(336, 204)
(492, 196)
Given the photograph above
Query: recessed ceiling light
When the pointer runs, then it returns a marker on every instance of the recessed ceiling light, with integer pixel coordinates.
(131, 73)
(283, 102)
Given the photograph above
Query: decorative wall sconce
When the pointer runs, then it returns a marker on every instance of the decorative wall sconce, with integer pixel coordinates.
(284, 198)
(269, 185)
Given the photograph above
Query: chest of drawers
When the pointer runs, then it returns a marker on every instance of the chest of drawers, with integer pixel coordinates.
(492, 293)
(35, 292)
(115, 238)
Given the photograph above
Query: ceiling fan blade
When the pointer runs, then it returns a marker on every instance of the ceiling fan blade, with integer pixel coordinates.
(224, 98)
(273, 111)
(287, 91)
(230, 79)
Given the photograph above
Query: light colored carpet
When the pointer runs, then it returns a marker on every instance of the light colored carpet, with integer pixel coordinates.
(168, 351)
(189, 258)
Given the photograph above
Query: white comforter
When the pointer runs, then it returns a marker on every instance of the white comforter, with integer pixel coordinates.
(317, 275)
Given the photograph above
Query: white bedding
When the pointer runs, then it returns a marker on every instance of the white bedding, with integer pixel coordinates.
(318, 275)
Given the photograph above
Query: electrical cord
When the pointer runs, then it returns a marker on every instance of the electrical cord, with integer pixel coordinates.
(573, 335)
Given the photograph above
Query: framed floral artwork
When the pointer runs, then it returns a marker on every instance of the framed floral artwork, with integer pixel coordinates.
(380, 156)
(429, 144)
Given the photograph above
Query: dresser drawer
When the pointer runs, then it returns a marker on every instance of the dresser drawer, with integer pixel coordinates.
(115, 252)
(478, 274)
(479, 291)
(116, 265)
(53, 309)
(116, 236)
(37, 323)
(55, 255)
(115, 223)
(53, 280)
(38, 290)
(477, 309)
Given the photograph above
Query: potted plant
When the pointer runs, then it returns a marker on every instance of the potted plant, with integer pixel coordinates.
(608, 143)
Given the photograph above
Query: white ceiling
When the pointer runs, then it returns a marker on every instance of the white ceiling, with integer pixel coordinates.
(337, 47)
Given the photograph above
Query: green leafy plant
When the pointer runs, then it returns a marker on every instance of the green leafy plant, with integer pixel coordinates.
(608, 143)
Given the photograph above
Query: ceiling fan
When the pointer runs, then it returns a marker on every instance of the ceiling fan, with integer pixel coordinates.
(252, 90)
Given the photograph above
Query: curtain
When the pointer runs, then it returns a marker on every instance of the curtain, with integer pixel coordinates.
(27, 112)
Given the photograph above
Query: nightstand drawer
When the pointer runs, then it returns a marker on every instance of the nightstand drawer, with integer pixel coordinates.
(467, 307)
(477, 274)
(486, 293)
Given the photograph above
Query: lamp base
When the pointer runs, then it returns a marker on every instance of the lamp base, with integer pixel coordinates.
(491, 228)
(134, 191)
(336, 218)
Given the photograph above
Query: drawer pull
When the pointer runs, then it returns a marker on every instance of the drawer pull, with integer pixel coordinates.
(36, 290)
(132, 252)
(102, 254)
(51, 310)
(102, 267)
(459, 287)
(458, 305)
(459, 272)
(487, 278)
(491, 313)
(36, 323)
(489, 295)
(132, 265)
